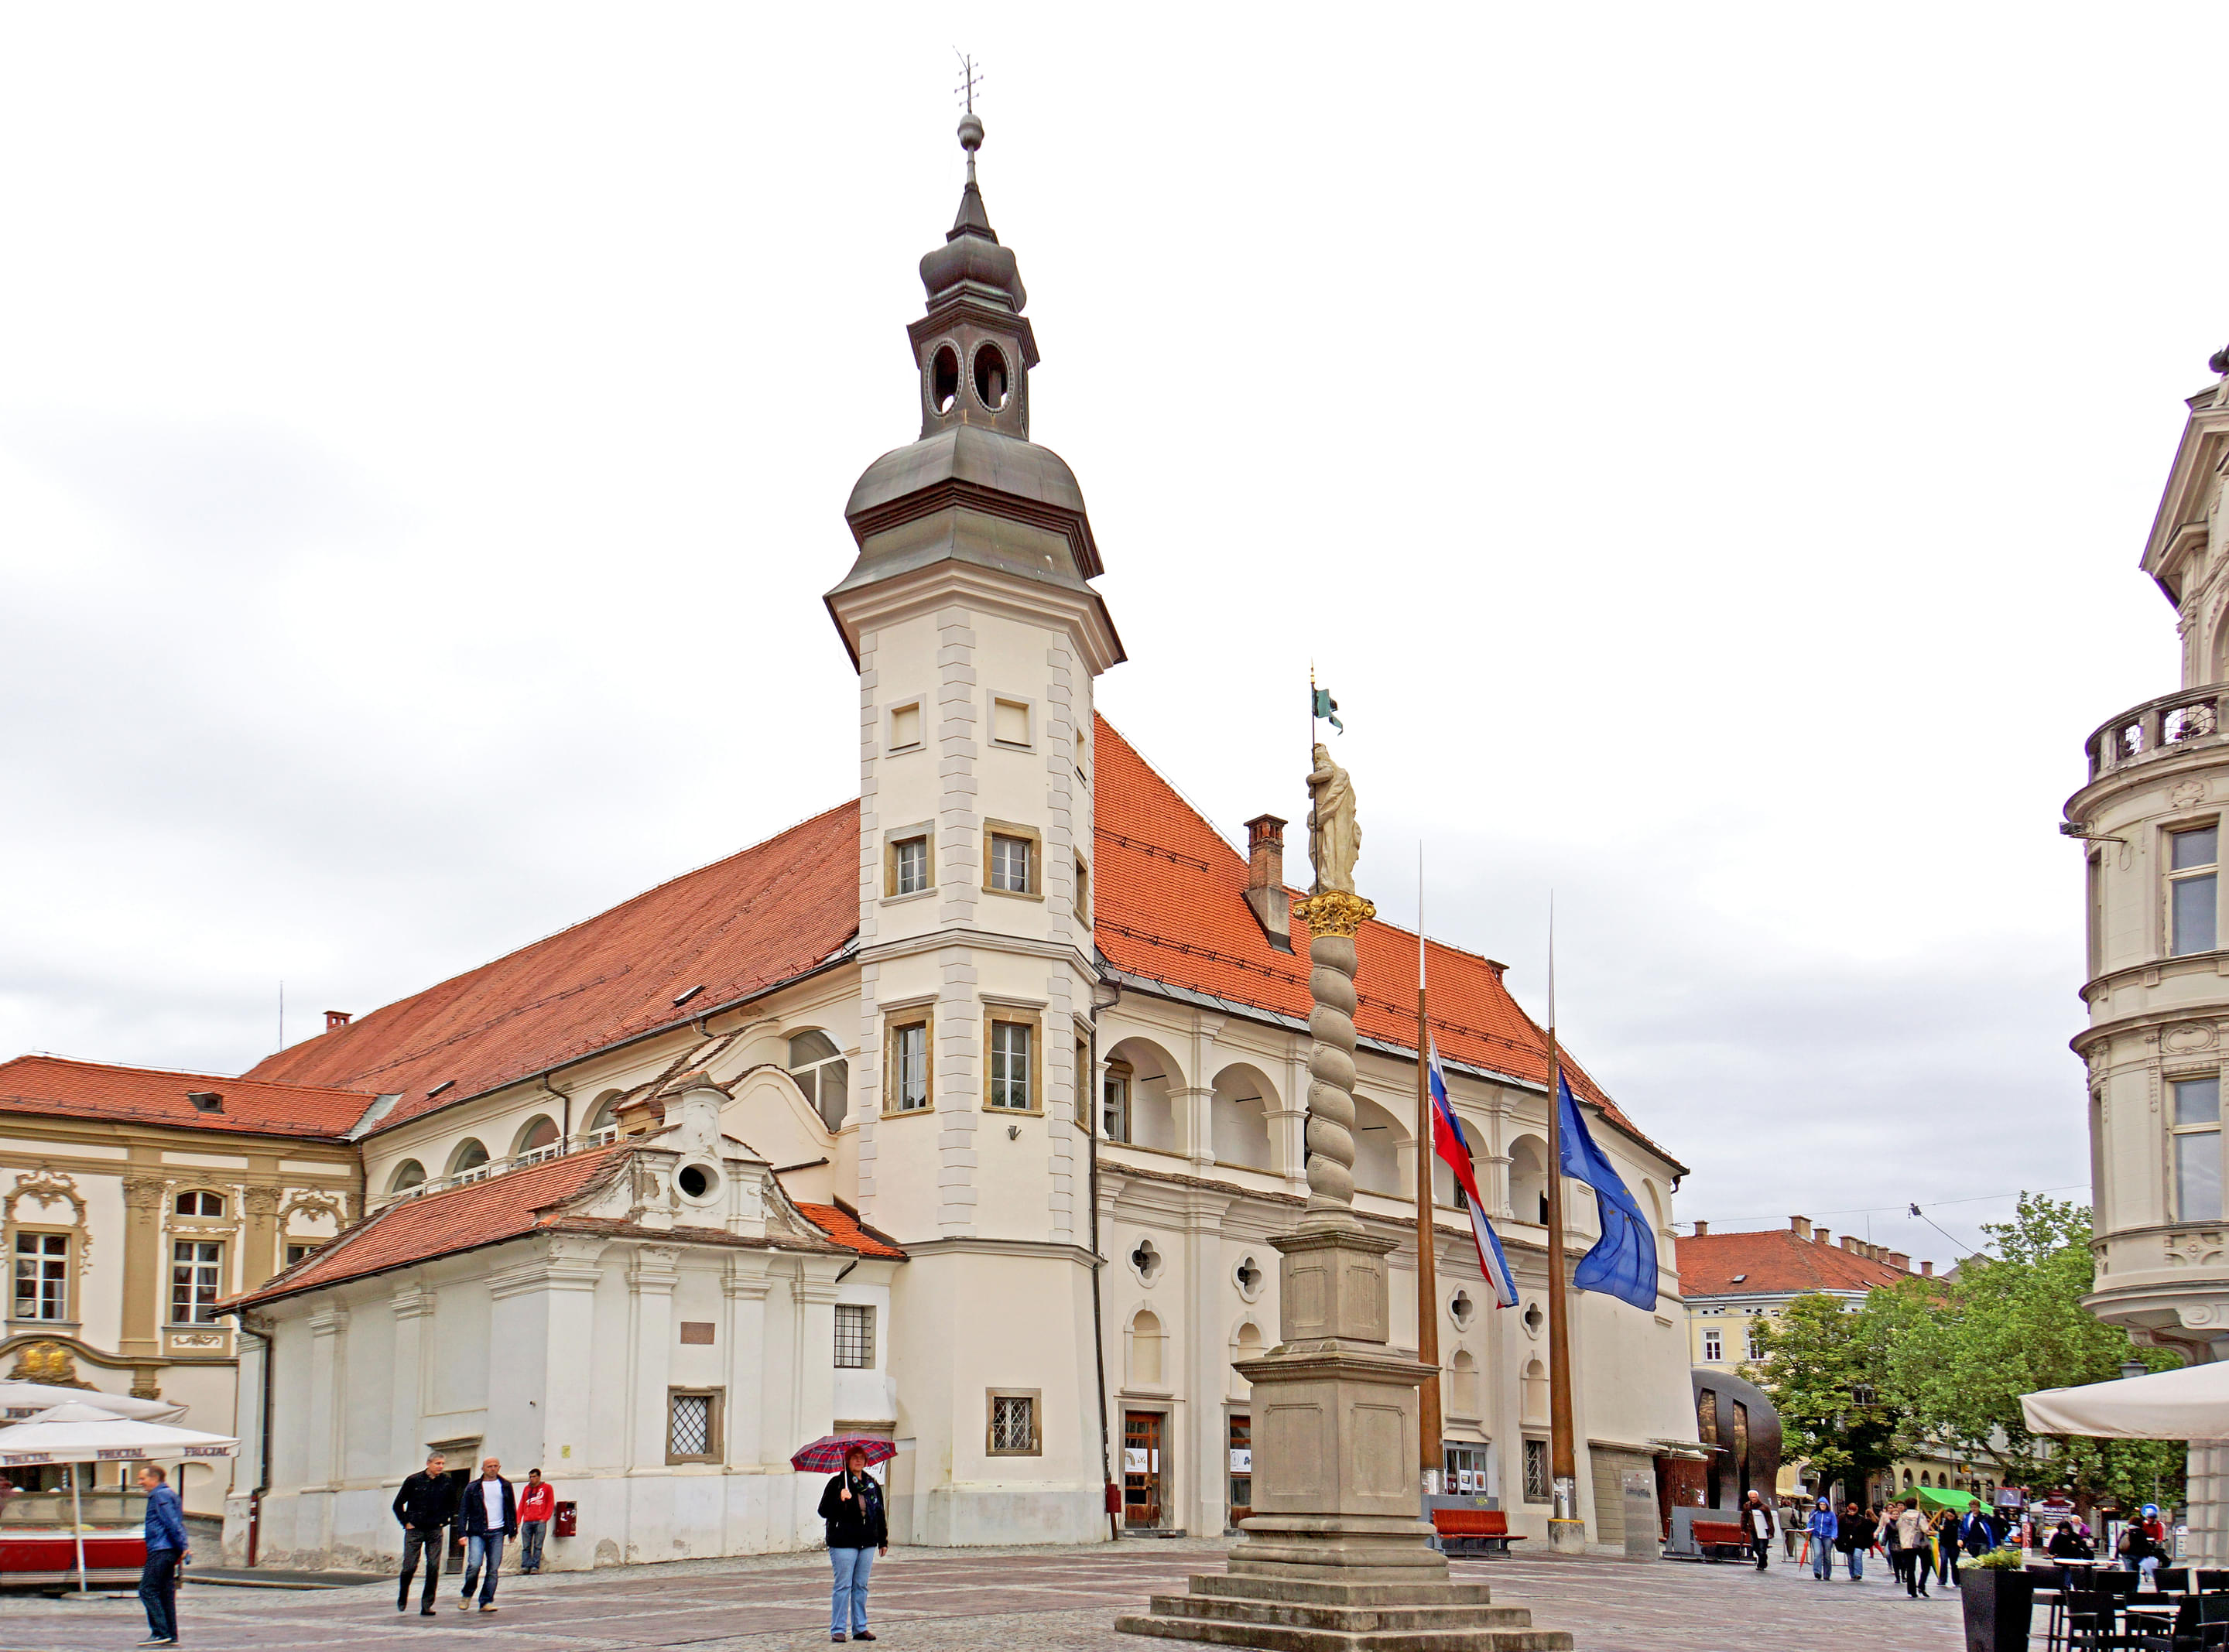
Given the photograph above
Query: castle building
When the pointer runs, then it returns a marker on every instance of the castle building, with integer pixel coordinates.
(961, 1113)
(2150, 818)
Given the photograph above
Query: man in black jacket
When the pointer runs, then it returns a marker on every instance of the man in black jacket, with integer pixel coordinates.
(426, 1504)
(487, 1513)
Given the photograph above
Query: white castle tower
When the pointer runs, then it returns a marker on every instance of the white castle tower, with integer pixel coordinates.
(977, 636)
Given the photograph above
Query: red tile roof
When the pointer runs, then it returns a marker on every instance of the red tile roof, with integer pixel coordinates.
(848, 1231)
(1172, 907)
(1777, 1262)
(504, 1206)
(766, 915)
(57, 1087)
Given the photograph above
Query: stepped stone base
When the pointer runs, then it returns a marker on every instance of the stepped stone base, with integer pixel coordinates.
(1293, 1615)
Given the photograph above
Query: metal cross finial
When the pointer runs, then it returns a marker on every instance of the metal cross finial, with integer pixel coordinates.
(971, 130)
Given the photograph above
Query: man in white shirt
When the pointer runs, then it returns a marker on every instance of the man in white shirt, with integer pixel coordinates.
(488, 1512)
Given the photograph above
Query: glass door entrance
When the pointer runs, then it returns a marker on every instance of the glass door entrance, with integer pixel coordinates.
(1141, 1468)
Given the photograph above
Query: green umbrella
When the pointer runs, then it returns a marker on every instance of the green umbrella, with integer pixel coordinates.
(1944, 1497)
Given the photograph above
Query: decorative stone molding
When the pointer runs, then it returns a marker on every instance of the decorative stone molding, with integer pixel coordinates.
(2186, 794)
(314, 1204)
(260, 1201)
(47, 1186)
(2187, 1037)
(2195, 1249)
(47, 1362)
(142, 1195)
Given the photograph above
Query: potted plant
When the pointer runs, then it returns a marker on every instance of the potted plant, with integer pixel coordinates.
(1998, 1598)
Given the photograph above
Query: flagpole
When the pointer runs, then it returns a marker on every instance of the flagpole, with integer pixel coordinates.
(1565, 1531)
(1427, 1285)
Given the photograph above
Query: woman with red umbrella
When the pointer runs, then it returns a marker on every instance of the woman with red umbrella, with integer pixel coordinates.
(852, 1504)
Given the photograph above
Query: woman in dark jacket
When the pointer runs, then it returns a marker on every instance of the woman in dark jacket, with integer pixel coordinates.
(853, 1506)
(1853, 1536)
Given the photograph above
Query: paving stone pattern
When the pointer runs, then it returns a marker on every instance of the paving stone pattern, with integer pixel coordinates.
(981, 1600)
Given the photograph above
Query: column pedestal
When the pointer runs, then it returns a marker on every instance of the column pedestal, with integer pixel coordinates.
(1337, 1554)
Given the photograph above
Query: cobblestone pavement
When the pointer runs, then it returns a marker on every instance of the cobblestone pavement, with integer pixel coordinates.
(1012, 1600)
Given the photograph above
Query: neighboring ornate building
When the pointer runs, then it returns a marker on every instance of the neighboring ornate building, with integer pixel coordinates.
(2157, 981)
(135, 1202)
(962, 1112)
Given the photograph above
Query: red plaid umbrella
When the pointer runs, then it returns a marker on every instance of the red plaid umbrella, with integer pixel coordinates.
(826, 1454)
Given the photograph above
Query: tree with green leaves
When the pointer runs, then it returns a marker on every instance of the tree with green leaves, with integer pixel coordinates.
(1956, 1353)
(1822, 1363)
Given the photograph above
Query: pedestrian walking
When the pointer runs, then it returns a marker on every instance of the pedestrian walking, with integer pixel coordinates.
(1821, 1526)
(536, 1506)
(166, 1551)
(1757, 1522)
(1891, 1544)
(490, 1514)
(424, 1507)
(1943, 1529)
(1788, 1512)
(852, 1504)
(1854, 1536)
(1911, 1545)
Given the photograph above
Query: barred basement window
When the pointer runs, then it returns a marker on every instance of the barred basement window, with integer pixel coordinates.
(855, 1336)
(1536, 1471)
(1013, 1429)
(692, 1430)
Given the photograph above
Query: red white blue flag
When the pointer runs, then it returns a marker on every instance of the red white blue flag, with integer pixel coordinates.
(1448, 1142)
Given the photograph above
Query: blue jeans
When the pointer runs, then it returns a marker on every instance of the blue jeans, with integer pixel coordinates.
(850, 1593)
(1857, 1564)
(1822, 1557)
(159, 1593)
(480, 1546)
(530, 1533)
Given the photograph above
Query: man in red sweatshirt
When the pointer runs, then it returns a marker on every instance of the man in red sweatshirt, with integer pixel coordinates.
(536, 1506)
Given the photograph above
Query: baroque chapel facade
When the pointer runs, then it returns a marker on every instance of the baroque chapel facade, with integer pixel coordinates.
(961, 1113)
(2157, 982)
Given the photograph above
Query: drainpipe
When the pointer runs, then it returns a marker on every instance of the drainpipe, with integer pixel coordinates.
(263, 1450)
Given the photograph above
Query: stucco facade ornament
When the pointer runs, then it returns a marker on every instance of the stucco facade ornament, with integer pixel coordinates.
(2197, 1249)
(47, 1186)
(47, 1362)
(2188, 794)
(2185, 1036)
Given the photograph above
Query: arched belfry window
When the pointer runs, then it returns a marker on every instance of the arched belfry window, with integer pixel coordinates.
(822, 1074)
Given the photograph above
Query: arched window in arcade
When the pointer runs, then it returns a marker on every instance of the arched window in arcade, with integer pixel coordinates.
(822, 1074)
(408, 1175)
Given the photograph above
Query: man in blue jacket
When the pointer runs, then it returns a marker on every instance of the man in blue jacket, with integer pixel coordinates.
(166, 1549)
(488, 1513)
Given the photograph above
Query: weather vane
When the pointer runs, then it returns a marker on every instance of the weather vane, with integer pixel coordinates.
(970, 78)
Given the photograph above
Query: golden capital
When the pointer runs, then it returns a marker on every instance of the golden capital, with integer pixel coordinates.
(1334, 912)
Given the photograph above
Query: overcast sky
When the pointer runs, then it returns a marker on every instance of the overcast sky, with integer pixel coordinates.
(1707, 451)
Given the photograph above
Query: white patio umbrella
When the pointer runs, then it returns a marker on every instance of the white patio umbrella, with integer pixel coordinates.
(2191, 1404)
(76, 1432)
(19, 1400)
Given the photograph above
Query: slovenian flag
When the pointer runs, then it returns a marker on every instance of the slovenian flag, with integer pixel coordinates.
(1448, 1142)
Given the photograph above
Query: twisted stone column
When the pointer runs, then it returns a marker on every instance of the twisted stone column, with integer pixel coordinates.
(1333, 918)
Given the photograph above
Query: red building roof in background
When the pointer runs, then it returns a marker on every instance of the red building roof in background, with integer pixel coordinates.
(1169, 898)
(849, 1231)
(1776, 1262)
(56, 1086)
(769, 914)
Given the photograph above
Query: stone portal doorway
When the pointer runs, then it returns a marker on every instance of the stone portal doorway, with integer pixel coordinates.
(1142, 1469)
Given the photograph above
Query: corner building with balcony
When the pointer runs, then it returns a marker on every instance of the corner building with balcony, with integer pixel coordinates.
(2151, 823)
(961, 1113)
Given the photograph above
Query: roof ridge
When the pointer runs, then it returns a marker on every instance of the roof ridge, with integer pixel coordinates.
(185, 1072)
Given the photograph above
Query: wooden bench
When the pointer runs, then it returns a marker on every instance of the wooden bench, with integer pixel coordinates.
(1488, 1528)
(1710, 1534)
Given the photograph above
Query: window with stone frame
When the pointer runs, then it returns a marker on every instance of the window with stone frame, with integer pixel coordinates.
(42, 1281)
(2194, 1128)
(906, 864)
(855, 1336)
(1536, 1471)
(692, 1425)
(906, 1082)
(1012, 860)
(2194, 857)
(196, 1280)
(1010, 1073)
(1013, 1423)
(1114, 1102)
(198, 1203)
(1713, 1349)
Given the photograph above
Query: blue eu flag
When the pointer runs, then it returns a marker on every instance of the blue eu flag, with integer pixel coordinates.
(1623, 1261)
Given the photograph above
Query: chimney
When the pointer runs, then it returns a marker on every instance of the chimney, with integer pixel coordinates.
(1702, 1229)
(1850, 1243)
(1265, 880)
(1927, 1270)
(1899, 1261)
(336, 1018)
(1823, 1236)
(1799, 1226)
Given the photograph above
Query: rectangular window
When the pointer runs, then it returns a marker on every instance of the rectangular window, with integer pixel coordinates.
(1536, 1471)
(1083, 893)
(909, 1066)
(42, 1276)
(1010, 863)
(1012, 1044)
(1713, 1349)
(1115, 1104)
(1241, 1447)
(1013, 1431)
(1465, 1470)
(855, 1336)
(692, 1425)
(1009, 722)
(2193, 861)
(905, 726)
(910, 866)
(2095, 890)
(196, 1280)
(299, 1252)
(2197, 1132)
(1755, 1349)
